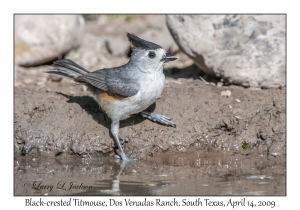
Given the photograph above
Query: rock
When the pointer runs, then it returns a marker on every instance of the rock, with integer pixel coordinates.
(117, 46)
(99, 51)
(162, 37)
(226, 93)
(248, 50)
(42, 38)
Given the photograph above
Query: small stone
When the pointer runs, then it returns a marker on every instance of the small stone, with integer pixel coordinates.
(226, 93)
(219, 84)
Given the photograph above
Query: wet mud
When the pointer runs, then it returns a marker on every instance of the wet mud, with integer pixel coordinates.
(48, 122)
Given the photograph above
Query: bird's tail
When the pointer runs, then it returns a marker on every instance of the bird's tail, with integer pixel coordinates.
(67, 68)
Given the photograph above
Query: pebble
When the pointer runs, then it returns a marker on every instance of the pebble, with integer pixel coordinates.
(226, 93)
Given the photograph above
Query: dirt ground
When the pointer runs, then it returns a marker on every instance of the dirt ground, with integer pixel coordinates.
(65, 118)
(53, 118)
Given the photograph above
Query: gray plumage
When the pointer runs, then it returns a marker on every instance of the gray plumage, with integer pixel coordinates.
(128, 89)
(120, 81)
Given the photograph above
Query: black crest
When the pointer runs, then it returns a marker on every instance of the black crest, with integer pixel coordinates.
(141, 43)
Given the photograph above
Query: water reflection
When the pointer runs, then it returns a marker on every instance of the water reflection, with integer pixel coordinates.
(126, 187)
(184, 174)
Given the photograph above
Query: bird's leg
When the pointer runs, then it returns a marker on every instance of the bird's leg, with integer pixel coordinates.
(157, 118)
(115, 132)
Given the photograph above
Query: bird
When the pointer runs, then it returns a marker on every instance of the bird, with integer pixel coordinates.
(125, 90)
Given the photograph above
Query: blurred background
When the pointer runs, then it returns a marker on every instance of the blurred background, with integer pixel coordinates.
(92, 41)
(246, 50)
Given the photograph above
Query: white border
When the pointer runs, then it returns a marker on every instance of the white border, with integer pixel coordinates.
(8, 8)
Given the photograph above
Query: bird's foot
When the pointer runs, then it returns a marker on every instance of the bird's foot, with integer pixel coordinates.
(125, 158)
(157, 118)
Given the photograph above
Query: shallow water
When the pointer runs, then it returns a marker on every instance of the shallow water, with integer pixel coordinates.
(180, 174)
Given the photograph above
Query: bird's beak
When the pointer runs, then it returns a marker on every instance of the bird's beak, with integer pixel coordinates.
(167, 57)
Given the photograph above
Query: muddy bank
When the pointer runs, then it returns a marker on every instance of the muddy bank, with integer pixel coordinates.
(54, 117)
(62, 119)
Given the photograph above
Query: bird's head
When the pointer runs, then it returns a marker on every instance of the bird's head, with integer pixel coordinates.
(148, 56)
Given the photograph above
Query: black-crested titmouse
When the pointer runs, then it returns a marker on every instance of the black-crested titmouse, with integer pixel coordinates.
(125, 90)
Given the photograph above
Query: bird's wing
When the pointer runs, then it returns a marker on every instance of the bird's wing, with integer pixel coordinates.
(122, 82)
(96, 79)
(114, 81)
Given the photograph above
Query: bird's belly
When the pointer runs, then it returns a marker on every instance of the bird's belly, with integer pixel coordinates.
(121, 108)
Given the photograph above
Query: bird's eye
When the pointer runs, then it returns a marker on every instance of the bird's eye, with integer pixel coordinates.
(151, 54)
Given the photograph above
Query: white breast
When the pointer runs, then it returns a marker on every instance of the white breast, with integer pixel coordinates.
(150, 89)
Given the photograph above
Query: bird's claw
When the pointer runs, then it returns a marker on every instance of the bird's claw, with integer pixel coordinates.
(158, 118)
